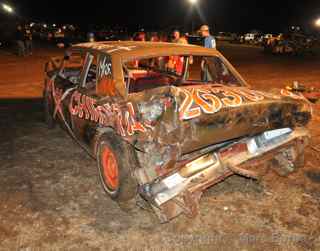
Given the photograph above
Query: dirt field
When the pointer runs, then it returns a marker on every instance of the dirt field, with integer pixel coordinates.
(51, 199)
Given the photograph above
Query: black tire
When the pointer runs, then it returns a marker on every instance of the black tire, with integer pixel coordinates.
(48, 110)
(120, 185)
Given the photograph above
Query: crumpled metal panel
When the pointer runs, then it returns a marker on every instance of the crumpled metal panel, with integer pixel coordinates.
(174, 135)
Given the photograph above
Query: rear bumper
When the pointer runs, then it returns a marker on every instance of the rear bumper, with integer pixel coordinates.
(251, 157)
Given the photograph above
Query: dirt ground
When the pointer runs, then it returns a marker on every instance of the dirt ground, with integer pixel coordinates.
(51, 199)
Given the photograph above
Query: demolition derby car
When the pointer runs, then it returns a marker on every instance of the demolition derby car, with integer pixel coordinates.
(167, 121)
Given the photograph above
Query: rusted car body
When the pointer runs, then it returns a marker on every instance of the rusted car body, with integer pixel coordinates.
(167, 136)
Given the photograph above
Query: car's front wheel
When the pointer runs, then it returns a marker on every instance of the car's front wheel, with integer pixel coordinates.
(116, 160)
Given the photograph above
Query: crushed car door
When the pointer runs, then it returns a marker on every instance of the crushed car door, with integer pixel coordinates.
(84, 101)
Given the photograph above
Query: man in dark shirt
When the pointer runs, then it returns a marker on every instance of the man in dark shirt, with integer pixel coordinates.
(28, 41)
(19, 37)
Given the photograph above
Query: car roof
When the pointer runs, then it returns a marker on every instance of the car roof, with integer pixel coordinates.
(132, 49)
(121, 51)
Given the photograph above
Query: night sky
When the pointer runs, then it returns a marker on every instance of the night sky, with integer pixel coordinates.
(223, 15)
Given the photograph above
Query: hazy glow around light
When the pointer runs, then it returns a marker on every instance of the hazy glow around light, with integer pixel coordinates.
(318, 22)
(193, 1)
(7, 8)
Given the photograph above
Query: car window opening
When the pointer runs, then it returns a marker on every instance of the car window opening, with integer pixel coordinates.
(151, 73)
(72, 66)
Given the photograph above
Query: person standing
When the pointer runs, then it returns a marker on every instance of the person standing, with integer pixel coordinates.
(209, 41)
(140, 37)
(19, 38)
(177, 38)
(28, 41)
(176, 63)
(154, 37)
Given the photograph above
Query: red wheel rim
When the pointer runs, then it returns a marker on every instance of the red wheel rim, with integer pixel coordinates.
(110, 168)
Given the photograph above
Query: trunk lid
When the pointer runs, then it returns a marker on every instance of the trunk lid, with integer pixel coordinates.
(210, 114)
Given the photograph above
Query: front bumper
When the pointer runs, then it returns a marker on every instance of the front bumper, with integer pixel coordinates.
(180, 192)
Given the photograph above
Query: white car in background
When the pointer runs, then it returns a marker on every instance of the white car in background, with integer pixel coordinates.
(249, 37)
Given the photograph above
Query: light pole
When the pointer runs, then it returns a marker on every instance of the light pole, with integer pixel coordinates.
(193, 3)
(7, 8)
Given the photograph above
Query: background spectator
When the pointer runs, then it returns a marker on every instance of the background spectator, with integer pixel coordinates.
(28, 41)
(209, 41)
(19, 38)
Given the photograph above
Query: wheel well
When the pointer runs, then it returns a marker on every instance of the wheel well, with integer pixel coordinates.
(99, 133)
(102, 131)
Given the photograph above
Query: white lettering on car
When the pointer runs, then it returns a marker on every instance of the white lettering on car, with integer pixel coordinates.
(105, 68)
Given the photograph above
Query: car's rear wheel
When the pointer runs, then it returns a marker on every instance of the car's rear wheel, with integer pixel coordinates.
(48, 110)
(116, 160)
